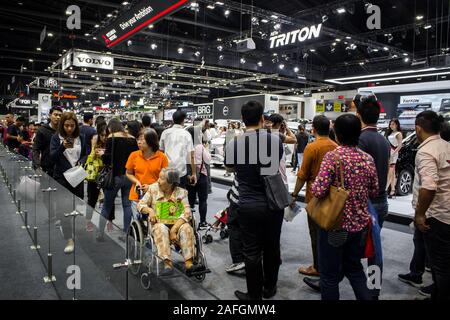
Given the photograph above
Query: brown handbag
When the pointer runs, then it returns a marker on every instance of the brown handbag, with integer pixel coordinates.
(328, 212)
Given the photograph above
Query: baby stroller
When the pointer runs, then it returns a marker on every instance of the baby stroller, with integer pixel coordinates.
(219, 225)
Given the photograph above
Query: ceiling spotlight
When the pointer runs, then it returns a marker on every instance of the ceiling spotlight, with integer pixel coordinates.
(274, 16)
(312, 50)
(305, 55)
(151, 26)
(260, 64)
(332, 49)
(154, 46)
(219, 3)
(281, 66)
(129, 43)
(109, 15)
(86, 34)
(324, 18)
(38, 49)
(197, 54)
(97, 26)
(428, 26)
(255, 21)
(243, 61)
(341, 10)
(338, 40)
(180, 50)
(227, 13)
(390, 37)
(406, 60)
(361, 63)
(277, 26)
(264, 21)
(210, 6)
(194, 5)
(385, 48)
(220, 48)
(50, 35)
(296, 69)
(221, 57)
(125, 3)
(418, 18)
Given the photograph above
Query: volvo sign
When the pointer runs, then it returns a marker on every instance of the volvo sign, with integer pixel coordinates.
(90, 60)
(292, 37)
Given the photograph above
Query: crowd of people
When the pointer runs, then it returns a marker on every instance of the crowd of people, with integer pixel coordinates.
(155, 168)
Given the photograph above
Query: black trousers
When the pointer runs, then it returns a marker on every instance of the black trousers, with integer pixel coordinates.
(200, 189)
(420, 256)
(260, 230)
(234, 230)
(437, 241)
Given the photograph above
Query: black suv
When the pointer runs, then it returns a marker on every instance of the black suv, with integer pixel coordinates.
(404, 168)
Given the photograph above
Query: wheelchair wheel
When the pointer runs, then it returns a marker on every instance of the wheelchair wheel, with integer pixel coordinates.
(135, 246)
(201, 260)
(145, 281)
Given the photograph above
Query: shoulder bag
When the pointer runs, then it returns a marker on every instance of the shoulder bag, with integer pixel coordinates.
(105, 179)
(278, 197)
(328, 212)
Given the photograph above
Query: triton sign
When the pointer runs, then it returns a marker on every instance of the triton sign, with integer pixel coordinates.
(300, 35)
(139, 16)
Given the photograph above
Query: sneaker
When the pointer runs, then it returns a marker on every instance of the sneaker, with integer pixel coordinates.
(411, 280)
(235, 267)
(109, 226)
(90, 226)
(70, 246)
(202, 226)
(427, 290)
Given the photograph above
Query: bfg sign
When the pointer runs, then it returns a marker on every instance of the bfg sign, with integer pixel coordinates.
(292, 37)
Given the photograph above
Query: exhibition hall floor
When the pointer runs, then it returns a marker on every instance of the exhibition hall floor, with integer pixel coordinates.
(21, 271)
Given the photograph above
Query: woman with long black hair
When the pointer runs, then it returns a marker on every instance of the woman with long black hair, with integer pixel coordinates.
(67, 148)
(395, 137)
(119, 146)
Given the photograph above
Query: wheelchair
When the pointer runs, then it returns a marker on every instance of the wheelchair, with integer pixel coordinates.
(140, 241)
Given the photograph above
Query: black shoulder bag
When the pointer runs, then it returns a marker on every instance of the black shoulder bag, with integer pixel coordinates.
(277, 196)
(105, 179)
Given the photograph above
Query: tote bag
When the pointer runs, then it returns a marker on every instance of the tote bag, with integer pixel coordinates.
(328, 212)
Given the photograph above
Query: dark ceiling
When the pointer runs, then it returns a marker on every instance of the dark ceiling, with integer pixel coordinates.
(402, 35)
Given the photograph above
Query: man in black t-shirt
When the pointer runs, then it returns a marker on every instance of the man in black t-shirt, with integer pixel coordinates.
(255, 154)
(302, 141)
(14, 138)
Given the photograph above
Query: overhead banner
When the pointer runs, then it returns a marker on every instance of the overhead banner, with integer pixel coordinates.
(66, 61)
(91, 60)
(138, 17)
(296, 36)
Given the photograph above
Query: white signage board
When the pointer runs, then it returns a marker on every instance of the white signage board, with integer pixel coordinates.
(292, 37)
(90, 60)
(44, 106)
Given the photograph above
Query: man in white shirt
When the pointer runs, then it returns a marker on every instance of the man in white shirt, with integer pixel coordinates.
(178, 146)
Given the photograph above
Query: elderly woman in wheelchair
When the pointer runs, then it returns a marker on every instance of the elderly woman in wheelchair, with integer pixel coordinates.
(169, 214)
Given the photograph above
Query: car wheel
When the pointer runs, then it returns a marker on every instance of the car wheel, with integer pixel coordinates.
(404, 182)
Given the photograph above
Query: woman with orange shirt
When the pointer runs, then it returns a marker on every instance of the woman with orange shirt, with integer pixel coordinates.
(144, 166)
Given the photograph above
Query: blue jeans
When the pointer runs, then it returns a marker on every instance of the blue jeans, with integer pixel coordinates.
(381, 206)
(124, 185)
(335, 263)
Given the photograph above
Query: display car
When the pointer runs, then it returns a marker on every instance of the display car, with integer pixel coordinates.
(404, 168)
